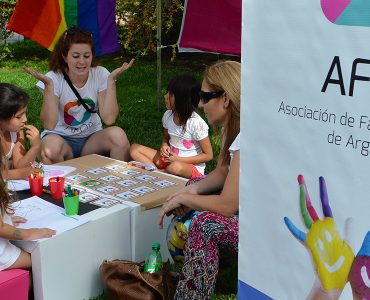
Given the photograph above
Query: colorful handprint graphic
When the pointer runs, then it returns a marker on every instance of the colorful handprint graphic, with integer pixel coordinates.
(347, 12)
(359, 274)
(332, 256)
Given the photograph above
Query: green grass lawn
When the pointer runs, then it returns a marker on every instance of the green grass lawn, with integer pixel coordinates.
(136, 94)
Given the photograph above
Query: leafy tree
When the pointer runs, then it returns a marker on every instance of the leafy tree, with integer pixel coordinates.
(6, 10)
(137, 24)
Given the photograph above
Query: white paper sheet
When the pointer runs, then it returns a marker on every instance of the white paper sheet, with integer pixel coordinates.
(42, 214)
(49, 171)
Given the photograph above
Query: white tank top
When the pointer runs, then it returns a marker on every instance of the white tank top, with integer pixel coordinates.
(13, 139)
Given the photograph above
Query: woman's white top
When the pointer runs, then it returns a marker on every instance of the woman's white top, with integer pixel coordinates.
(235, 146)
(73, 119)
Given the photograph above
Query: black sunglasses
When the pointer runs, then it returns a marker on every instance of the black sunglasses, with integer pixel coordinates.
(74, 29)
(206, 96)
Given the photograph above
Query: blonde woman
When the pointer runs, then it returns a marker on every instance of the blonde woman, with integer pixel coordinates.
(216, 226)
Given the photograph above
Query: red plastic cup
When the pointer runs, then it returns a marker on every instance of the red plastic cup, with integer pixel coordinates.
(36, 184)
(56, 185)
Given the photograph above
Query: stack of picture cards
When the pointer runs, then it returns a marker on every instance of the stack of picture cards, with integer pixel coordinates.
(106, 182)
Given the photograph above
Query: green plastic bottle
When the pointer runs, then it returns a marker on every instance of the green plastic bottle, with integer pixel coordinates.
(153, 262)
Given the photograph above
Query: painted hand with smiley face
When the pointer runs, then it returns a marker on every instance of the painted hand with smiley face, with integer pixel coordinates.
(332, 256)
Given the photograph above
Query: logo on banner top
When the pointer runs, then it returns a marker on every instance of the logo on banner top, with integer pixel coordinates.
(347, 12)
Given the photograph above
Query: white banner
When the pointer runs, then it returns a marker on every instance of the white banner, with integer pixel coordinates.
(305, 111)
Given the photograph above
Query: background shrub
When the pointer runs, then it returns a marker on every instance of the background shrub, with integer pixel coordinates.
(6, 10)
(137, 24)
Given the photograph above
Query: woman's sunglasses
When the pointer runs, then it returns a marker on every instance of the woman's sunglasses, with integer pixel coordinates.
(206, 96)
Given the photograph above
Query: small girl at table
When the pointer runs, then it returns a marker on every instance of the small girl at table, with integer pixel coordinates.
(12, 257)
(13, 107)
(186, 146)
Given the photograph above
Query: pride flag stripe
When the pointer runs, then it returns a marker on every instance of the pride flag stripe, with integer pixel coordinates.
(70, 12)
(107, 35)
(45, 21)
(34, 22)
(87, 18)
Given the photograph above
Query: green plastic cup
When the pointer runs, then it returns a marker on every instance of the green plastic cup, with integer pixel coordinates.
(71, 205)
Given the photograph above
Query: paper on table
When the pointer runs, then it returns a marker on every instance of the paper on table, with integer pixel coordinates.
(54, 171)
(42, 214)
(18, 185)
(49, 171)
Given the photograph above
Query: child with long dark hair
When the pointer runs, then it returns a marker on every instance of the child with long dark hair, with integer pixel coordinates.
(11, 256)
(14, 131)
(186, 146)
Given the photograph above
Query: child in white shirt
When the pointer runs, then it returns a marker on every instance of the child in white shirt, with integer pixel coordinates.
(186, 146)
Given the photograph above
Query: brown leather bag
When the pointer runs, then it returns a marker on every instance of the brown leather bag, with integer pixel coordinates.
(126, 280)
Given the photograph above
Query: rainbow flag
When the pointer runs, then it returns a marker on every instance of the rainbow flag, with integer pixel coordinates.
(44, 21)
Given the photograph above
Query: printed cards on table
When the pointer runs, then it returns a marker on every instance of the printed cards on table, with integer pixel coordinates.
(130, 172)
(115, 167)
(88, 197)
(110, 178)
(91, 183)
(146, 177)
(108, 189)
(97, 171)
(127, 195)
(77, 177)
(143, 189)
(127, 182)
(109, 185)
(164, 183)
(105, 202)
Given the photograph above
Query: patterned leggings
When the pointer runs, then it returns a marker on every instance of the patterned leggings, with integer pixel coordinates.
(209, 232)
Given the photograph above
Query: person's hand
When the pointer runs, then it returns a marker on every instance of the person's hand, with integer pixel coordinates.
(359, 274)
(39, 233)
(180, 211)
(173, 204)
(33, 135)
(43, 78)
(171, 158)
(35, 171)
(168, 207)
(27, 171)
(17, 220)
(119, 71)
(332, 256)
(165, 150)
(189, 189)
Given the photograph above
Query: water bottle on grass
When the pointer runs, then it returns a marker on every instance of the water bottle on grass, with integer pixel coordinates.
(153, 262)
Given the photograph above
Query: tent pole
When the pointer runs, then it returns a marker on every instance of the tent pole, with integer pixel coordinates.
(159, 51)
